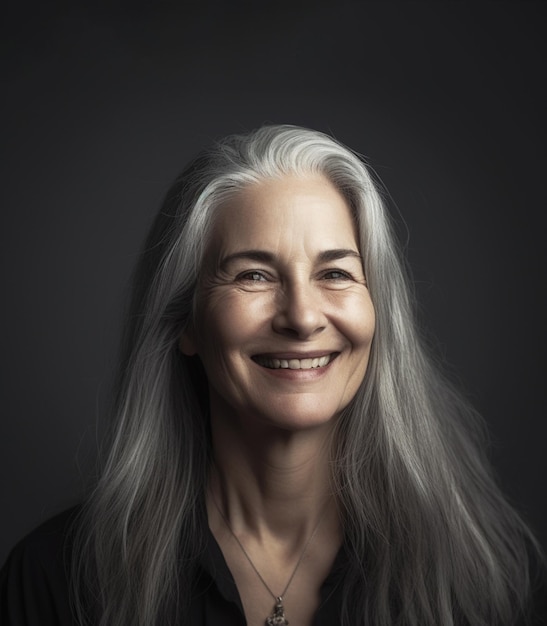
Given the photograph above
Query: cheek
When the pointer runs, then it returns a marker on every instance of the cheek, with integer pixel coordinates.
(360, 323)
(360, 332)
(226, 321)
(217, 337)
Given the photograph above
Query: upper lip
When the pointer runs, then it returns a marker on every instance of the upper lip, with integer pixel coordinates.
(316, 354)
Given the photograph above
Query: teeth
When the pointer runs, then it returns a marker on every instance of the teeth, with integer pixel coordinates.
(294, 364)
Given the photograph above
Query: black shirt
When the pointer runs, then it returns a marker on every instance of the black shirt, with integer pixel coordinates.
(34, 587)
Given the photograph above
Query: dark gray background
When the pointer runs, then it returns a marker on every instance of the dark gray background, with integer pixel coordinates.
(104, 106)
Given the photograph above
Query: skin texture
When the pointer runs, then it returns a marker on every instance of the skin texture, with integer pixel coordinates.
(282, 280)
(283, 300)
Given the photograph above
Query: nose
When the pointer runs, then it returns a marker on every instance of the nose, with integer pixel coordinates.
(300, 311)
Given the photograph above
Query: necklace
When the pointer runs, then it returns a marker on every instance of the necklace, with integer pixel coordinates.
(277, 618)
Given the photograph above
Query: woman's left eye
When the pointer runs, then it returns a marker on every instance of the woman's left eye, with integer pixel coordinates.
(336, 275)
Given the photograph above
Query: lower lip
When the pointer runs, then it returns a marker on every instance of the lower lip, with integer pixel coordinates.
(286, 373)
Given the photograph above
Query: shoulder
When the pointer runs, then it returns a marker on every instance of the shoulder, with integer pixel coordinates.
(34, 587)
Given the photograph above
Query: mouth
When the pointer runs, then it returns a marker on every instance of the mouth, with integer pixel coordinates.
(307, 363)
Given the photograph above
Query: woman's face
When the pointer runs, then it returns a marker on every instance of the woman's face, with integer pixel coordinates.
(285, 320)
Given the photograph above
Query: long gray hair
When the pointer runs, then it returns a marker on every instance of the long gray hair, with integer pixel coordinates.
(430, 538)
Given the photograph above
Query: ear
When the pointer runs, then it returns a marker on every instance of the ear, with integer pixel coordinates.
(187, 343)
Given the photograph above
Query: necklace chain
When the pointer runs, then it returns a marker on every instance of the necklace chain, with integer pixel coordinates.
(278, 615)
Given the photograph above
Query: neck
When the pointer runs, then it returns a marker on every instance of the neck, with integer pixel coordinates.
(271, 482)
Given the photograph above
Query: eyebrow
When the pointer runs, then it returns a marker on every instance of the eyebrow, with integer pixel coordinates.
(337, 254)
(263, 256)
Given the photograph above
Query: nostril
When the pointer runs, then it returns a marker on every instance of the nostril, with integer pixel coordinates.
(300, 313)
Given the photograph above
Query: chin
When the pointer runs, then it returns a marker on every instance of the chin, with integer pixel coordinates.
(303, 418)
(292, 412)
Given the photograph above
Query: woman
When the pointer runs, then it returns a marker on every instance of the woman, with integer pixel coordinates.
(284, 450)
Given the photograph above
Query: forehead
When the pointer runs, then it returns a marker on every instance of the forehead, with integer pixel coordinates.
(290, 210)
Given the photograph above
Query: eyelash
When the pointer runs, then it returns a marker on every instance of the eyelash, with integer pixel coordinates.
(246, 276)
(342, 275)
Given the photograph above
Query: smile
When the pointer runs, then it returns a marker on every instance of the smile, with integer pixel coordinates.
(295, 364)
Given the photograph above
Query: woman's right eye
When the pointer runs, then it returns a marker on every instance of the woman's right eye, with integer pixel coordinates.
(253, 276)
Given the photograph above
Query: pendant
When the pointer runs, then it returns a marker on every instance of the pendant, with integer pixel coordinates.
(277, 618)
